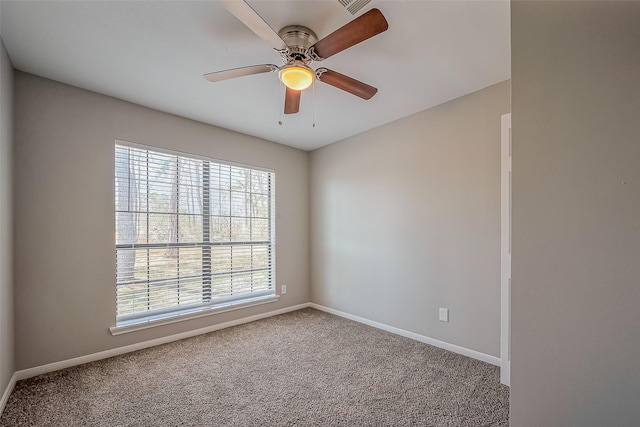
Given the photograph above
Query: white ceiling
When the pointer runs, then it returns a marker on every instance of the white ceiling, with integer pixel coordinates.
(154, 53)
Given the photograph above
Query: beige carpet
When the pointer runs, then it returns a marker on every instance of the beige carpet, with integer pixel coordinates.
(306, 368)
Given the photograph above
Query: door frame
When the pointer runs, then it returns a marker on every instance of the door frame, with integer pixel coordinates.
(505, 249)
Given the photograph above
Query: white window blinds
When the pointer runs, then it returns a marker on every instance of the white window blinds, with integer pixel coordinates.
(191, 233)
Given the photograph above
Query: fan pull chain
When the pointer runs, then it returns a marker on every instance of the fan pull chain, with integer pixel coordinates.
(314, 103)
(281, 109)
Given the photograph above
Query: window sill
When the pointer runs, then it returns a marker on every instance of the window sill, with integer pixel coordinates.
(207, 311)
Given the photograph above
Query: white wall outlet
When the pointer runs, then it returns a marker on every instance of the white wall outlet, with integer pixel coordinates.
(283, 289)
(444, 314)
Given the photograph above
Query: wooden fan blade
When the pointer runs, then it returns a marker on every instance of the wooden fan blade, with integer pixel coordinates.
(360, 29)
(347, 83)
(239, 72)
(292, 101)
(249, 17)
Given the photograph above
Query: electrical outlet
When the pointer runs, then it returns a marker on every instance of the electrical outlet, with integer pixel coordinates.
(444, 314)
(283, 289)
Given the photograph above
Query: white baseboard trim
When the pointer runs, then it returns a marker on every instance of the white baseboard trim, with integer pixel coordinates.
(444, 345)
(7, 392)
(63, 364)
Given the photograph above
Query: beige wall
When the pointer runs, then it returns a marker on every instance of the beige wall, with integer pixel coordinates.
(406, 219)
(576, 214)
(6, 240)
(64, 214)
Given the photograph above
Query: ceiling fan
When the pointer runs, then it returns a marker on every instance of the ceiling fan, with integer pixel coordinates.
(299, 47)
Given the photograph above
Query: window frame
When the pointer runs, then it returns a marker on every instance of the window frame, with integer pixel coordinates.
(210, 305)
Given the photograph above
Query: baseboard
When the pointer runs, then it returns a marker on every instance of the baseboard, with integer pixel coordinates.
(63, 364)
(7, 392)
(444, 345)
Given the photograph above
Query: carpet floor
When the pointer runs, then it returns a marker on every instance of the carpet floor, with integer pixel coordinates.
(305, 368)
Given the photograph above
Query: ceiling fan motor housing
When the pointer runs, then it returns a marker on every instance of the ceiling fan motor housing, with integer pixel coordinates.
(299, 39)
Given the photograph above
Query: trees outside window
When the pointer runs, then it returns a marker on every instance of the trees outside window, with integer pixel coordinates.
(190, 232)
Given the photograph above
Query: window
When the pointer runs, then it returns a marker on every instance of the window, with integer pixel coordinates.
(191, 233)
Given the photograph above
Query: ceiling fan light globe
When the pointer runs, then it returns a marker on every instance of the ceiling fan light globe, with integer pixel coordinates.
(297, 78)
